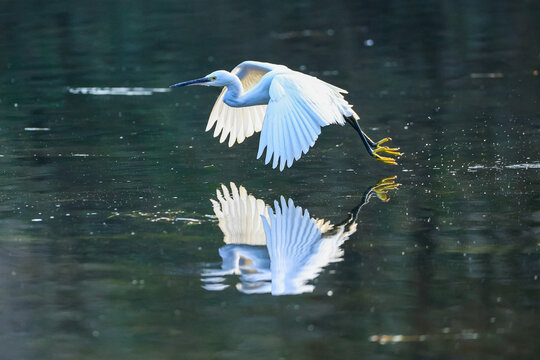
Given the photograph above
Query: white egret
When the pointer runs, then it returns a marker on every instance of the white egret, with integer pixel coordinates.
(278, 250)
(288, 107)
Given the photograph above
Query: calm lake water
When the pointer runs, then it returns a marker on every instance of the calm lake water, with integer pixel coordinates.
(111, 247)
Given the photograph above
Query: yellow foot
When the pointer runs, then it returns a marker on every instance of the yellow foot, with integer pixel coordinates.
(383, 186)
(382, 141)
(385, 149)
(385, 159)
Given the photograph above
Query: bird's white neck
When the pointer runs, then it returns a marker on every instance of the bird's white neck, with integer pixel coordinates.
(236, 97)
(235, 90)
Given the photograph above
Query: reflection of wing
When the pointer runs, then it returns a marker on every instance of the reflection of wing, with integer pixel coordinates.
(297, 247)
(239, 216)
(299, 106)
(240, 123)
(298, 250)
(250, 262)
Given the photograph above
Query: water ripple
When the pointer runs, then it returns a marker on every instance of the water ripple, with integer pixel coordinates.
(126, 91)
(535, 165)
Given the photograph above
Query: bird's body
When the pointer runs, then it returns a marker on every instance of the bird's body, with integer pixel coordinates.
(288, 107)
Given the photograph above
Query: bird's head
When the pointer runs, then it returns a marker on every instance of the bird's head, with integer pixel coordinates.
(216, 78)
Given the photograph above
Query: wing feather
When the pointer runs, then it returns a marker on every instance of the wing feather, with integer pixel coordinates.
(294, 144)
(300, 105)
(278, 144)
(237, 124)
(304, 139)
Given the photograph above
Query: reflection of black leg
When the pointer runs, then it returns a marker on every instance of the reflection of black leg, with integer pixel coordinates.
(380, 190)
(353, 214)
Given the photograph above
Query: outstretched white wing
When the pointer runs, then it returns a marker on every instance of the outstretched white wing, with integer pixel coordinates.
(240, 220)
(240, 123)
(299, 106)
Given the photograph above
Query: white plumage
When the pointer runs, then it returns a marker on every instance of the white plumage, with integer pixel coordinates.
(300, 105)
(238, 123)
(288, 107)
(276, 250)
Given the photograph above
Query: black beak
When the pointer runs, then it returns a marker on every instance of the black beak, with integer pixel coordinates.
(191, 82)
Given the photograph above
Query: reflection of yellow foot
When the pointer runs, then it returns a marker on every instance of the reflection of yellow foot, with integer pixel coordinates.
(383, 186)
(385, 149)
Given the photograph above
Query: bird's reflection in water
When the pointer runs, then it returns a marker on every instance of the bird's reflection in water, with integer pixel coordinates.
(278, 250)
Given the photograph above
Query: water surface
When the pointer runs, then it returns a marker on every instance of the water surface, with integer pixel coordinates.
(106, 177)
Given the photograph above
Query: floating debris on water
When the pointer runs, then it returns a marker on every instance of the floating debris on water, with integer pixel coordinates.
(126, 91)
(160, 216)
(486, 75)
(36, 129)
(465, 334)
(172, 219)
(524, 166)
(474, 168)
(330, 72)
(301, 34)
(187, 219)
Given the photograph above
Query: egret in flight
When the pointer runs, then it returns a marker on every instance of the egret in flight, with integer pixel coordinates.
(287, 106)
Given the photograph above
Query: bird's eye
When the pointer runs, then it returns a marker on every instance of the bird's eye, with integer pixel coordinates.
(213, 78)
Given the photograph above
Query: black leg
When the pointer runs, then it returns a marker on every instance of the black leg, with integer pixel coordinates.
(352, 121)
(368, 143)
(372, 147)
(371, 142)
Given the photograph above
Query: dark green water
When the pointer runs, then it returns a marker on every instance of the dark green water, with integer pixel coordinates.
(447, 269)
